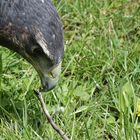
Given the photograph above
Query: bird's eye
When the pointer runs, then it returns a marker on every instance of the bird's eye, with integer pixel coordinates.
(37, 51)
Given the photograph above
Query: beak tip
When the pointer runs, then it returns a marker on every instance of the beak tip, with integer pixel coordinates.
(49, 85)
(43, 90)
(49, 81)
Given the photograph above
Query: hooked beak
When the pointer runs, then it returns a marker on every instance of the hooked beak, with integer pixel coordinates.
(50, 78)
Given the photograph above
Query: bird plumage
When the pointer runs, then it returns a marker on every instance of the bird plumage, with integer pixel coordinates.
(33, 29)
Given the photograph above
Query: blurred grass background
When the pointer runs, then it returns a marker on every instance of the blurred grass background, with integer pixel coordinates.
(98, 93)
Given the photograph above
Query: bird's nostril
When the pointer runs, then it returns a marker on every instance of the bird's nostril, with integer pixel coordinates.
(51, 75)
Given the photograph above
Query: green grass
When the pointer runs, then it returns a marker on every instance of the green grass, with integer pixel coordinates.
(99, 85)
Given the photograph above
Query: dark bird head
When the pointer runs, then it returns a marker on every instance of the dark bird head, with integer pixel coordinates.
(33, 29)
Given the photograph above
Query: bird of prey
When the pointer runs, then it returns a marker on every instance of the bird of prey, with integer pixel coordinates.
(33, 29)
